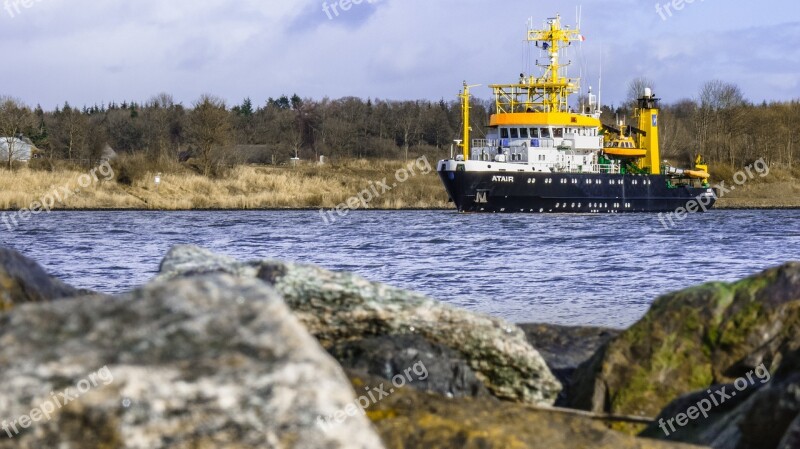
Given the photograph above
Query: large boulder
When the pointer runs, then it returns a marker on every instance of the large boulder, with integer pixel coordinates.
(208, 362)
(693, 339)
(341, 307)
(24, 281)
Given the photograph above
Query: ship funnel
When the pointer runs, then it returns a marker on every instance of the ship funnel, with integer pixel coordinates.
(648, 139)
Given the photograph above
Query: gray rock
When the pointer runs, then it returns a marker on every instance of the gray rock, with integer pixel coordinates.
(207, 362)
(24, 281)
(718, 428)
(340, 307)
(428, 366)
(791, 439)
(564, 348)
(763, 416)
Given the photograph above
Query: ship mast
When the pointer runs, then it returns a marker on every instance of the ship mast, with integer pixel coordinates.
(549, 92)
(465, 107)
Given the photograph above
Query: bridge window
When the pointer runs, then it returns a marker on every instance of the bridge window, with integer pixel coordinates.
(534, 133)
(558, 132)
(523, 133)
(504, 133)
(545, 133)
(514, 133)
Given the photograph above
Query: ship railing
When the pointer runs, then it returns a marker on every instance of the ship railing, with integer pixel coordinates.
(609, 168)
(593, 168)
(484, 143)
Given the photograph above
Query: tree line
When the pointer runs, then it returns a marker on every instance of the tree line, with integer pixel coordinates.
(210, 131)
(719, 123)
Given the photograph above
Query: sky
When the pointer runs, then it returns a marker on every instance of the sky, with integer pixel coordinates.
(90, 52)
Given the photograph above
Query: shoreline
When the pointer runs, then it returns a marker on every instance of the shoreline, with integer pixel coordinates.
(317, 209)
(300, 188)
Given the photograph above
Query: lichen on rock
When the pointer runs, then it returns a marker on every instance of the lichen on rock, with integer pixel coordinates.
(208, 362)
(340, 307)
(693, 339)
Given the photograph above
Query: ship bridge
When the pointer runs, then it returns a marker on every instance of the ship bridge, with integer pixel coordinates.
(533, 123)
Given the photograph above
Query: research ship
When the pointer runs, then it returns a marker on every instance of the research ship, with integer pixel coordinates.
(541, 156)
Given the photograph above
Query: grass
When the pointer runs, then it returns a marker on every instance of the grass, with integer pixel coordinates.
(242, 187)
(779, 189)
(300, 187)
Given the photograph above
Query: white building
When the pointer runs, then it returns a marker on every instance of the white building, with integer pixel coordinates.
(20, 149)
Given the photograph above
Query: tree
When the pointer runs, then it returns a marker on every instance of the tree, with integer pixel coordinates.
(244, 122)
(719, 118)
(408, 124)
(15, 118)
(636, 89)
(209, 130)
(69, 128)
(281, 103)
(718, 95)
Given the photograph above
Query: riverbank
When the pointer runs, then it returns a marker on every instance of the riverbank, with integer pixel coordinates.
(390, 185)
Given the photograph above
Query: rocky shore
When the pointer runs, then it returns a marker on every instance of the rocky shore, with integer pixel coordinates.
(220, 353)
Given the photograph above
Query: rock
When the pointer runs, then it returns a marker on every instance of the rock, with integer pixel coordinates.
(207, 362)
(412, 419)
(340, 307)
(691, 340)
(564, 348)
(444, 371)
(763, 414)
(717, 423)
(24, 281)
(791, 438)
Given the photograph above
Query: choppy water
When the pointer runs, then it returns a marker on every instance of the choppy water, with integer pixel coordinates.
(566, 269)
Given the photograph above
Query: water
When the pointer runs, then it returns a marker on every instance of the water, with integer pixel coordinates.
(565, 269)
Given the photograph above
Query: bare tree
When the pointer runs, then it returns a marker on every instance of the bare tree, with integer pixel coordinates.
(718, 95)
(209, 130)
(15, 117)
(157, 118)
(409, 124)
(637, 87)
(720, 117)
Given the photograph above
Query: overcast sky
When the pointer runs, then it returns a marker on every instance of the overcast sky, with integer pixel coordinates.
(93, 51)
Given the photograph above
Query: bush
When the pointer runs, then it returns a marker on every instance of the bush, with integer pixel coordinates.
(130, 168)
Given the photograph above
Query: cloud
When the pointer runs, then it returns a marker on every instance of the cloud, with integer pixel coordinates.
(89, 52)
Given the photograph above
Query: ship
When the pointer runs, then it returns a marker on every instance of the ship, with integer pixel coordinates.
(540, 155)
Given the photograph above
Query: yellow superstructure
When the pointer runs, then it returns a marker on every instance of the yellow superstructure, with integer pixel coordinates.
(543, 119)
(647, 114)
(543, 99)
